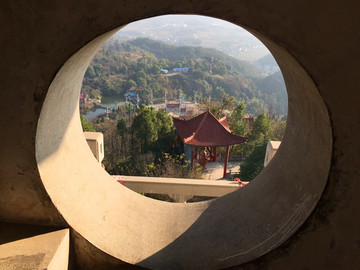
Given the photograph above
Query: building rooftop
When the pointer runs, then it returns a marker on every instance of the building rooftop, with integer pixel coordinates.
(206, 130)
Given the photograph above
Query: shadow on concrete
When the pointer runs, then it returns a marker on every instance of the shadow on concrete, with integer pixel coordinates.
(10, 232)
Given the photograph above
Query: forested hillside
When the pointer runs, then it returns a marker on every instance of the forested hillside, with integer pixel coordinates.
(267, 63)
(120, 65)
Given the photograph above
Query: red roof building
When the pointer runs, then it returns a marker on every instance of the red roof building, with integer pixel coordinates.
(173, 107)
(83, 99)
(225, 124)
(250, 120)
(205, 130)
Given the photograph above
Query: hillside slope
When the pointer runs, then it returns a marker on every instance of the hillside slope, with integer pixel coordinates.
(120, 65)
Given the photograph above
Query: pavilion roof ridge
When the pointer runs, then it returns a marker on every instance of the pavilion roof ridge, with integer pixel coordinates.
(223, 121)
(198, 128)
(221, 124)
(202, 121)
(206, 129)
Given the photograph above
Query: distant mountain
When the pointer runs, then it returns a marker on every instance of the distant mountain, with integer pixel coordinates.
(274, 93)
(142, 64)
(179, 53)
(268, 63)
(194, 30)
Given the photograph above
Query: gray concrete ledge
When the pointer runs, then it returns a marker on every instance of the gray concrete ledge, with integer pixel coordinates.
(193, 187)
(45, 251)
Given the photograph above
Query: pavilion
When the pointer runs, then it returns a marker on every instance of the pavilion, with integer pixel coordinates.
(205, 130)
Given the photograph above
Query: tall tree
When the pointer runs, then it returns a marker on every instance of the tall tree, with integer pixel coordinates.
(261, 129)
(90, 72)
(144, 129)
(254, 163)
(86, 125)
(278, 130)
(121, 127)
(152, 130)
(237, 123)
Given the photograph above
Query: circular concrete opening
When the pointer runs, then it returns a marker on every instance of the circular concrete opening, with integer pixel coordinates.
(178, 36)
(216, 234)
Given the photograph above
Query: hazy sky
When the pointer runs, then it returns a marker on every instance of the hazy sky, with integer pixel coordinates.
(194, 30)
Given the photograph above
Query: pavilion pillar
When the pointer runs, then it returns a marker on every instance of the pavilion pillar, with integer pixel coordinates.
(211, 154)
(215, 153)
(226, 161)
(192, 156)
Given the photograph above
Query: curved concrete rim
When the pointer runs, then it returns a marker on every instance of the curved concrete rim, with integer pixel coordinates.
(220, 233)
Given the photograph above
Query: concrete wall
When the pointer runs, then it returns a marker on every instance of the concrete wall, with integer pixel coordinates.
(95, 140)
(315, 44)
(271, 149)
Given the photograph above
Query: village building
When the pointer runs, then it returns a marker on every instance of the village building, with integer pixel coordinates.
(182, 112)
(182, 69)
(132, 94)
(83, 99)
(165, 71)
(172, 107)
(250, 119)
(176, 108)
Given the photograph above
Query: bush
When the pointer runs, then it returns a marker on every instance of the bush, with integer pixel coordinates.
(254, 163)
(172, 166)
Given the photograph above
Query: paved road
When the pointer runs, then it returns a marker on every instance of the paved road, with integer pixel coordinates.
(215, 170)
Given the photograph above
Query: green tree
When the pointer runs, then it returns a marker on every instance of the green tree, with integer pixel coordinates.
(166, 133)
(123, 69)
(86, 125)
(152, 131)
(144, 129)
(164, 63)
(278, 130)
(260, 132)
(237, 123)
(130, 84)
(214, 107)
(98, 68)
(95, 94)
(142, 82)
(261, 129)
(90, 72)
(121, 127)
(166, 123)
(254, 163)
(155, 69)
(228, 102)
(255, 106)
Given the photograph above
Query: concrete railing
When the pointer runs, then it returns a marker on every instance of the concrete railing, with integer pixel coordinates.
(178, 186)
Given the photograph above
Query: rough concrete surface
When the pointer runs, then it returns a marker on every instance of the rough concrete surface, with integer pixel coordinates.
(316, 46)
(44, 251)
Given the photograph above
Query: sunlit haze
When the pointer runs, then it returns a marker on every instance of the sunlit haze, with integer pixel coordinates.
(194, 30)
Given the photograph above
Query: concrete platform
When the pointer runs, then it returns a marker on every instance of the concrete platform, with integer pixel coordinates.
(180, 186)
(215, 170)
(48, 250)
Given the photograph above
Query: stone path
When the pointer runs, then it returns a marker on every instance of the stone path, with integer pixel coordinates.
(215, 170)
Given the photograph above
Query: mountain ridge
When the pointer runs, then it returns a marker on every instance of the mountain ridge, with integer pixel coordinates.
(122, 64)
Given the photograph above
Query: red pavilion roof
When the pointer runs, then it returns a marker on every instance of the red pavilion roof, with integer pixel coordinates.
(225, 124)
(206, 130)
